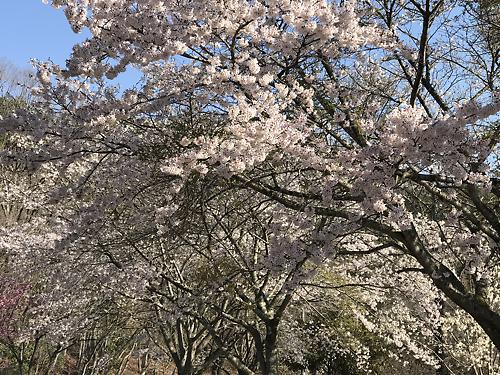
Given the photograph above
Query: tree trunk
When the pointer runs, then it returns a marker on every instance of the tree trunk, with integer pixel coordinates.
(453, 288)
(52, 364)
(272, 358)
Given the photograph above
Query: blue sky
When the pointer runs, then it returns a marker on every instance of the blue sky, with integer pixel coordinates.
(31, 29)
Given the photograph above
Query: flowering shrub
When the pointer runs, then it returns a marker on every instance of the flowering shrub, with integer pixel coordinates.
(12, 295)
(12, 303)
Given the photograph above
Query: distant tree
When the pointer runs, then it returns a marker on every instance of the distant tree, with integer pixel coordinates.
(15, 86)
(15, 178)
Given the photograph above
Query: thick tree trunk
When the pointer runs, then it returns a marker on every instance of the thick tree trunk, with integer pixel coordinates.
(443, 369)
(453, 288)
(272, 359)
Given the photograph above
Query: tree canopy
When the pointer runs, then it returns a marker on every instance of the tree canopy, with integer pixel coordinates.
(271, 148)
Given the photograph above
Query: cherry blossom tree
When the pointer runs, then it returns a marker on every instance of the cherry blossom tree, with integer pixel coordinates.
(366, 133)
(251, 299)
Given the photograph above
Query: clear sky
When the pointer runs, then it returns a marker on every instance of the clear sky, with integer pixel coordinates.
(31, 29)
